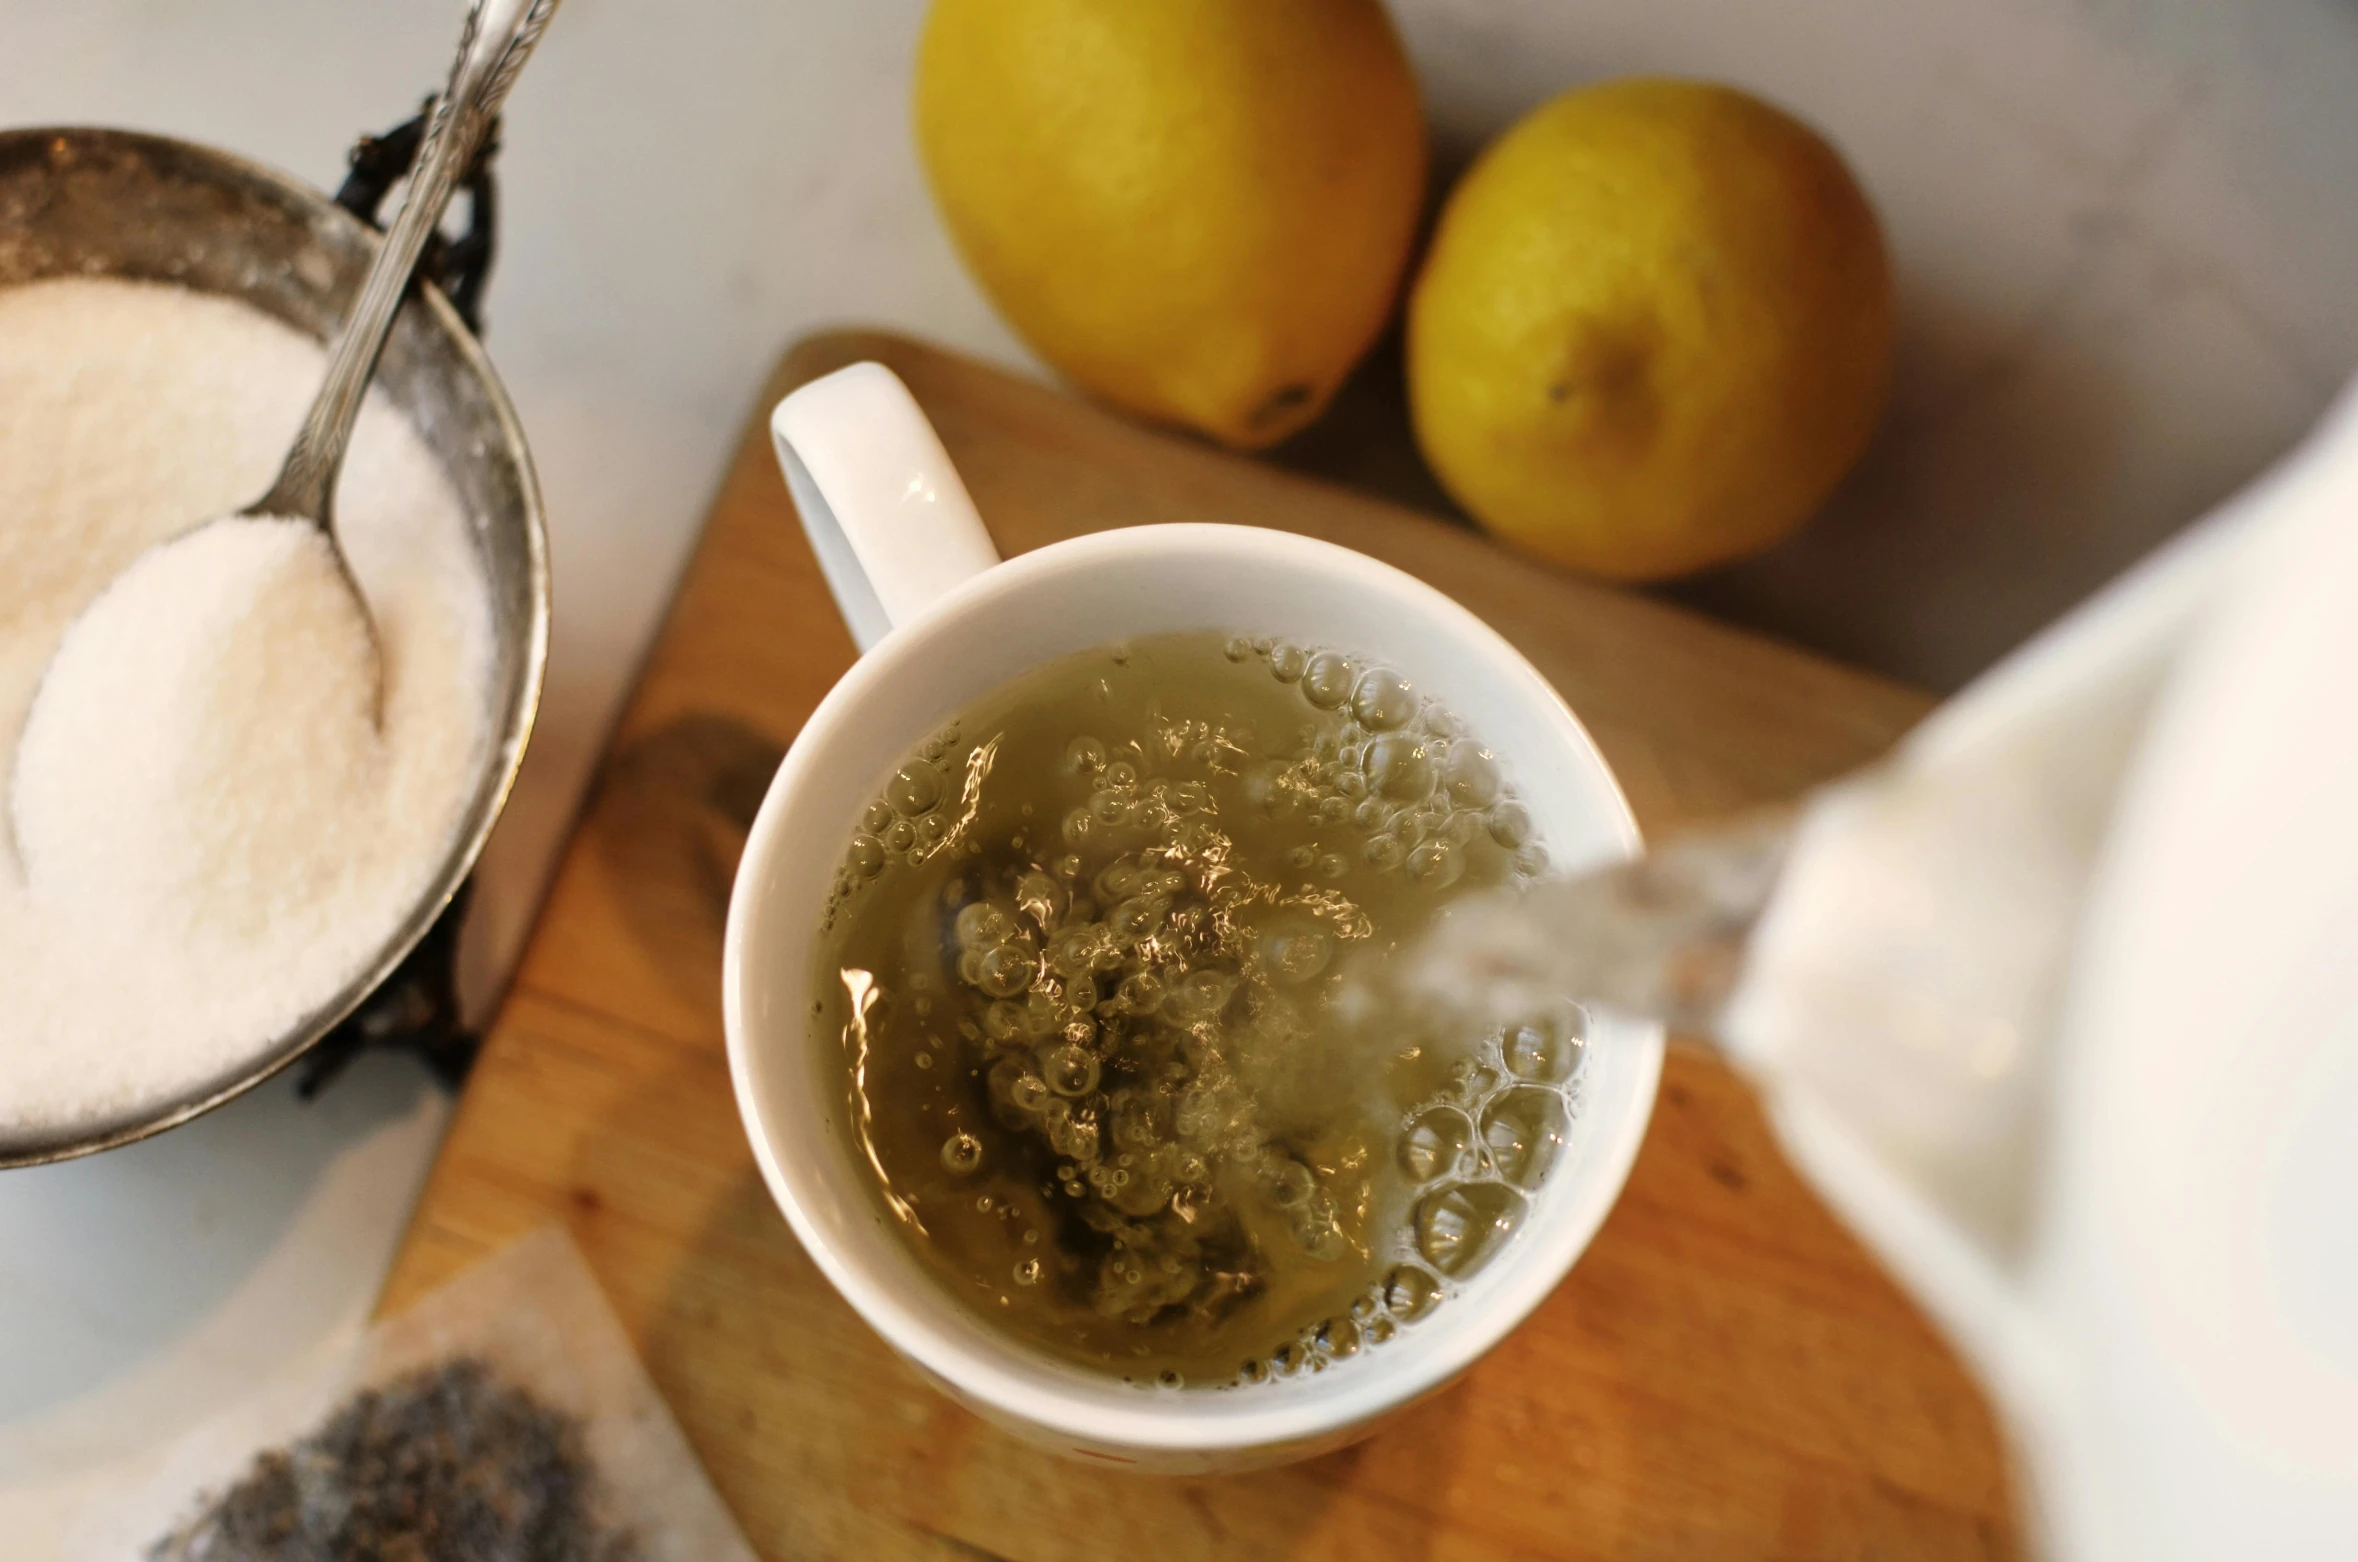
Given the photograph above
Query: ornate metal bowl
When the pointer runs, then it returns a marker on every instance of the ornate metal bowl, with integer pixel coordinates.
(110, 203)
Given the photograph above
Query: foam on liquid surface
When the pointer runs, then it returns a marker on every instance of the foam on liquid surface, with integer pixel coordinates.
(1119, 1058)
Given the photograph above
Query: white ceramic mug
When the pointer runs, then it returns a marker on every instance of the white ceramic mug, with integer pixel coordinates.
(942, 622)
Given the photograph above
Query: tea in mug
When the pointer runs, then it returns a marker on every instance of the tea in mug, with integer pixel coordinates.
(1102, 956)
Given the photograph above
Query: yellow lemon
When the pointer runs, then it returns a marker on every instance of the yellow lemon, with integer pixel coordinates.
(1199, 210)
(1653, 331)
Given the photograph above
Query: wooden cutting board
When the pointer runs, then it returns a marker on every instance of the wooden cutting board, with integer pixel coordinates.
(1726, 1373)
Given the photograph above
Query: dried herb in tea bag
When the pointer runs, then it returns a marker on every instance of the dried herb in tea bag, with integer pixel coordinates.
(448, 1463)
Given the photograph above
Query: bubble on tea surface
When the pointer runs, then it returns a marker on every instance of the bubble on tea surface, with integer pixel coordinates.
(1326, 681)
(1141, 992)
(1084, 756)
(1082, 947)
(1400, 767)
(1237, 648)
(1297, 954)
(1004, 1021)
(1072, 1134)
(1121, 776)
(1522, 1132)
(1436, 865)
(1200, 995)
(876, 819)
(1041, 1016)
(1410, 1293)
(1138, 918)
(865, 858)
(962, 1154)
(1531, 859)
(1434, 1142)
(1070, 1070)
(1379, 1330)
(1004, 970)
(1287, 662)
(1040, 897)
(1471, 776)
(1333, 865)
(1382, 700)
(1460, 1226)
(1338, 1337)
(1471, 1081)
(1265, 788)
(1029, 1094)
(914, 789)
(1546, 1047)
(983, 926)
(1079, 827)
(1510, 824)
(1120, 879)
(1384, 852)
(1290, 1182)
(1027, 1271)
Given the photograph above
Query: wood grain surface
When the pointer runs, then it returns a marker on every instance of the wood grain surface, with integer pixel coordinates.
(1725, 1374)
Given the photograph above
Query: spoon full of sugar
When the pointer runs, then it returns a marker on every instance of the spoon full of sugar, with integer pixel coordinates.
(160, 640)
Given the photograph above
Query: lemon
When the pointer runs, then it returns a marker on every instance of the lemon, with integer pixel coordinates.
(1198, 210)
(1653, 331)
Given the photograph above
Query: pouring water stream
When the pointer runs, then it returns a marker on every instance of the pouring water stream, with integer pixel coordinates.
(1892, 947)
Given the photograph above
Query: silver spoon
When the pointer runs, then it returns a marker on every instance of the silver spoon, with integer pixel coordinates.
(499, 35)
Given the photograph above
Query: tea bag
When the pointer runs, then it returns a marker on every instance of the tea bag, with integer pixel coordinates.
(504, 1415)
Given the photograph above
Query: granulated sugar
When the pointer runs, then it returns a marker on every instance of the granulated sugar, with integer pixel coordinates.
(215, 831)
(205, 742)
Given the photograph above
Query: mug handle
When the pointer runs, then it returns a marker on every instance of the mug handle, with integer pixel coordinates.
(885, 511)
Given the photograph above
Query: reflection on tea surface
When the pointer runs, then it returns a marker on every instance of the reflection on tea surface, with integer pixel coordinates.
(1105, 959)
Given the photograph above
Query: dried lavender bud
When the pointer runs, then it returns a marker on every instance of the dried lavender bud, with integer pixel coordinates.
(447, 1464)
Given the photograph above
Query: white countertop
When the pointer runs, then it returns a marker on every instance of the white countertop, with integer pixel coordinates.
(2129, 252)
